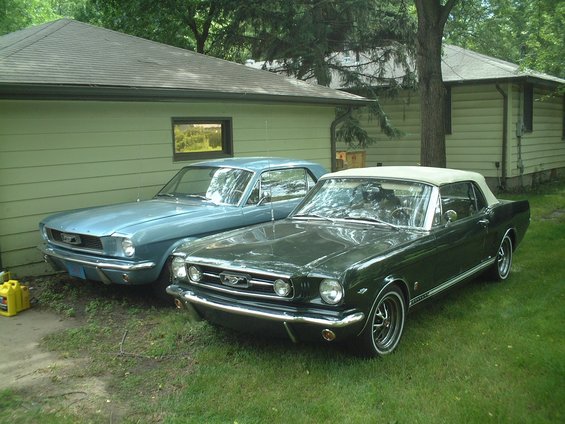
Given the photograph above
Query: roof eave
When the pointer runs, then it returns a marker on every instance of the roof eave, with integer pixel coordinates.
(112, 93)
(516, 79)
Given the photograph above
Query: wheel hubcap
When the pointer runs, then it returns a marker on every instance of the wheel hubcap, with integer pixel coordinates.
(386, 322)
(504, 257)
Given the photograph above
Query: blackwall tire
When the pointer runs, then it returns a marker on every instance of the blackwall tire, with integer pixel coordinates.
(385, 325)
(503, 262)
(159, 286)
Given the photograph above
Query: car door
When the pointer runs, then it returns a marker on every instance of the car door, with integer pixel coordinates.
(460, 230)
(276, 194)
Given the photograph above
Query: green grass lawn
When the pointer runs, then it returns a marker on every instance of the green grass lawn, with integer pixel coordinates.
(484, 352)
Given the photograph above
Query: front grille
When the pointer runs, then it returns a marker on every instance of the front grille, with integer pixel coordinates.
(81, 241)
(252, 284)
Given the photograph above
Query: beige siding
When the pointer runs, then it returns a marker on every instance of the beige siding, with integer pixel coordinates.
(57, 156)
(476, 140)
(403, 111)
(544, 148)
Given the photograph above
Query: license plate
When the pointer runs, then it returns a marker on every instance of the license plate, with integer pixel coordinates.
(76, 271)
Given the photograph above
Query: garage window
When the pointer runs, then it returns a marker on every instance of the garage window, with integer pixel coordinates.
(202, 138)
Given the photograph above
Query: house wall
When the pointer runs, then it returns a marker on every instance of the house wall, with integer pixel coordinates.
(61, 155)
(475, 143)
(538, 155)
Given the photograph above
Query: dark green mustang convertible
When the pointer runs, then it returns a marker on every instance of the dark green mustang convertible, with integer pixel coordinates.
(363, 247)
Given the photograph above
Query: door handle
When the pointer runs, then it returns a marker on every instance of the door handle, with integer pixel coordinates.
(484, 222)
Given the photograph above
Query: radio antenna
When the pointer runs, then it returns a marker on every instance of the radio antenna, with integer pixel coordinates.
(269, 162)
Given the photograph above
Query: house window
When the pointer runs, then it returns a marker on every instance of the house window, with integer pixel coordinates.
(563, 126)
(447, 110)
(528, 107)
(202, 138)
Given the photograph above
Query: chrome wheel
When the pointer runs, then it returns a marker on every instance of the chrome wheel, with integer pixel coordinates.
(503, 258)
(384, 329)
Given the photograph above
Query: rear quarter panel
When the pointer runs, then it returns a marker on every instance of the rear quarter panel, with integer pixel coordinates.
(508, 214)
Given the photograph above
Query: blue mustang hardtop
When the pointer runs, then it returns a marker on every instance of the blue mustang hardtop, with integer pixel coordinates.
(129, 243)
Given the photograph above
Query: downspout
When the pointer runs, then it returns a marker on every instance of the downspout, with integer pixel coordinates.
(333, 136)
(503, 163)
(520, 133)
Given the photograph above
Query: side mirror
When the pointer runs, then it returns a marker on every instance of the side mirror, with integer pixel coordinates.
(450, 216)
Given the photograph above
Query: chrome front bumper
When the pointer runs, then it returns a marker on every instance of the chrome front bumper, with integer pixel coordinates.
(113, 264)
(100, 265)
(188, 296)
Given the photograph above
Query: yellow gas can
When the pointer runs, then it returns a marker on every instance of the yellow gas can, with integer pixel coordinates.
(25, 298)
(7, 300)
(14, 298)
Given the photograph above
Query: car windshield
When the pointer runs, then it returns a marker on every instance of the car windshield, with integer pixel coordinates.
(222, 186)
(390, 202)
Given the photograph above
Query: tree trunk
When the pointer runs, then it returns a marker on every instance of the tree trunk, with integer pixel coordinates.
(431, 21)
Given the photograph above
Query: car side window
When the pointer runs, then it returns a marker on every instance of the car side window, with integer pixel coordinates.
(282, 184)
(465, 199)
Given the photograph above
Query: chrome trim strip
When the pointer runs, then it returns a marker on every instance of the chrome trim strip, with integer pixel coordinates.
(191, 297)
(241, 292)
(451, 282)
(98, 263)
(191, 260)
(253, 281)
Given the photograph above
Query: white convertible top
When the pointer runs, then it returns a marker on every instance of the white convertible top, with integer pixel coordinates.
(429, 175)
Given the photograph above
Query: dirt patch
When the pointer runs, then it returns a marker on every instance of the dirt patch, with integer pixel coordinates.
(70, 379)
(556, 214)
(44, 377)
(24, 363)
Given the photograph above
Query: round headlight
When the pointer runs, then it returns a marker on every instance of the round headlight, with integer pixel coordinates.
(331, 291)
(177, 267)
(194, 273)
(282, 288)
(128, 247)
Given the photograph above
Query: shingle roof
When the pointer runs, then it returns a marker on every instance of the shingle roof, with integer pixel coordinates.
(67, 58)
(458, 65)
(462, 65)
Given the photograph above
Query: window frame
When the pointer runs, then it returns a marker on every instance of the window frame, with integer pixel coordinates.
(308, 178)
(528, 111)
(563, 118)
(227, 138)
(477, 199)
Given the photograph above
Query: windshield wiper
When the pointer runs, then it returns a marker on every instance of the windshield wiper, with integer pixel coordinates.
(312, 215)
(165, 195)
(370, 219)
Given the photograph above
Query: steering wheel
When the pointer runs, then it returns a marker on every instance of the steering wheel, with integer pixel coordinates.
(408, 215)
(402, 214)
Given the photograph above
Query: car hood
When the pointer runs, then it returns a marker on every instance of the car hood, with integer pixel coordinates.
(125, 217)
(299, 247)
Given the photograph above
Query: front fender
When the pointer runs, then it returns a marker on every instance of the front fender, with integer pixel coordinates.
(173, 247)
